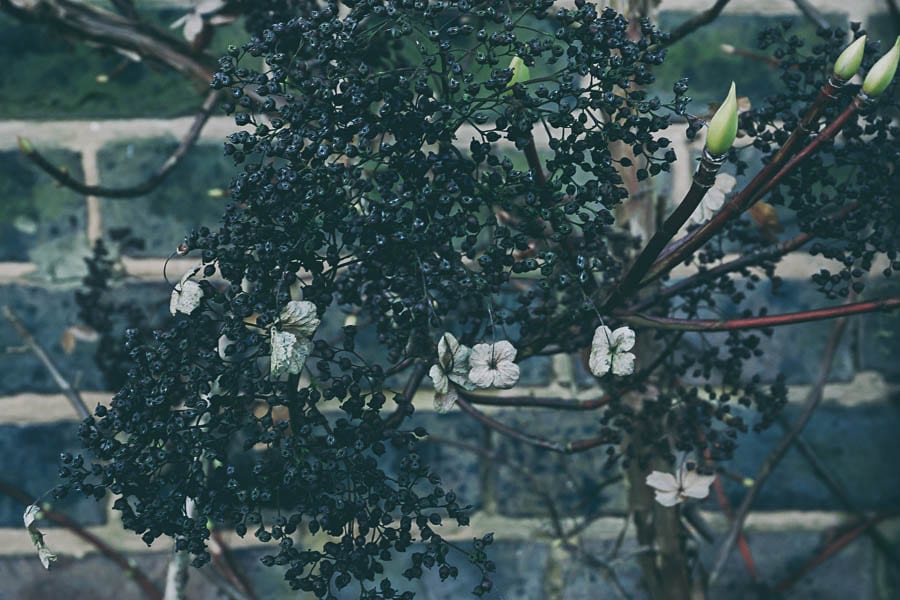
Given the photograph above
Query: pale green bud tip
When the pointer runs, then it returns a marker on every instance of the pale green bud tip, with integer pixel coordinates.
(723, 125)
(25, 145)
(882, 73)
(847, 64)
(520, 70)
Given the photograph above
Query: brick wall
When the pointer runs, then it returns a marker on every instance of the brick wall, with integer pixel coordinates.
(112, 133)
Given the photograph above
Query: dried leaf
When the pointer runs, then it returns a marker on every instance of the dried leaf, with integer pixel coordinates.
(766, 217)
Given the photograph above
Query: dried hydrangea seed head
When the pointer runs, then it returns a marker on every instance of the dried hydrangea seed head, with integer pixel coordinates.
(882, 72)
(847, 64)
(723, 125)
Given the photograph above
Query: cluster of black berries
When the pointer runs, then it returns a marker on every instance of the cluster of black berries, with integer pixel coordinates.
(844, 194)
(390, 170)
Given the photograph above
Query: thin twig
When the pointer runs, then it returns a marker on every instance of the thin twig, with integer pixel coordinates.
(775, 457)
(654, 322)
(821, 472)
(696, 22)
(761, 184)
(812, 13)
(404, 400)
(534, 402)
(93, 24)
(867, 525)
(61, 382)
(152, 182)
(605, 570)
(128, 567)
(563, 448)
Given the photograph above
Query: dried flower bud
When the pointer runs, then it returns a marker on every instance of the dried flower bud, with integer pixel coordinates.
(25, 146)
(847, 64)
(882, 73)
(723, 125)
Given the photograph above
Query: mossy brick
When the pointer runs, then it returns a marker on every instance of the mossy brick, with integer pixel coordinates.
(574, 481)
(47, 313)
(857, 444)
(47, 75)
(182, 202)
(39, 220)
(30, 462)
(709, 70)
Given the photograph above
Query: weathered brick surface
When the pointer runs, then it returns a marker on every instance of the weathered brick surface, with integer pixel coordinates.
(572, 480)
(47, 312)
(30, 455)
(171, 210)
(40, 221)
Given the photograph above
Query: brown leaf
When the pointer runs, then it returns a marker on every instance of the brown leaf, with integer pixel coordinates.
(766, 217)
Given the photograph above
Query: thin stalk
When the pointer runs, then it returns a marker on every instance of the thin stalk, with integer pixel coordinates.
(812, 402)
(654, 322)
(533, 402)
(764, 181)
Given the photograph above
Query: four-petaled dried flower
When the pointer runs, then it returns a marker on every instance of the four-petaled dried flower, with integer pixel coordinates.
(714, 198)
(491, 365)
(452, 365)
(610, 351)
(685, 483)
(32, 512)
(291, 337)
(186, 295)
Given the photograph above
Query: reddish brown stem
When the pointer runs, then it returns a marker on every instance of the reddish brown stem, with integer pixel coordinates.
(778, 453)
(566, 448)
(532, 402)
(147, 586)
(764, 182)
(831, 549)
(653, 322)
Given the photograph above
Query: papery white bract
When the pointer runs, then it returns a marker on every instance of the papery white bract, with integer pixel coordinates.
(443, 402)
(186, 296)
(192, 22)
(610, 351)
(491, 365)
(452, 365)
(289, 353)
(714, 198)
(685, 483)
(37, 537)
(300, 318)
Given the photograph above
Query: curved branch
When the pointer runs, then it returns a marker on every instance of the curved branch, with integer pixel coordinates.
(532, 402)
(106, 28)
(562, 448)
(654, 322)
(147, 186)
(696, 22)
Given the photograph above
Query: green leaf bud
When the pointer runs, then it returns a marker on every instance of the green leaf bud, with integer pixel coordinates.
(882, 73)
(847, 64)
(723, 125)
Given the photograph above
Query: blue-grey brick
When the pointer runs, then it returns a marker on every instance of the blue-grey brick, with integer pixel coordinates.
(879, 343)
(858, 444)
(40, 221)
(47, 312)
(30, 454)
(182, 202)
(572, 480)
(794, 350)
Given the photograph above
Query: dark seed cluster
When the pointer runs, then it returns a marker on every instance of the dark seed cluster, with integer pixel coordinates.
(389, 170)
